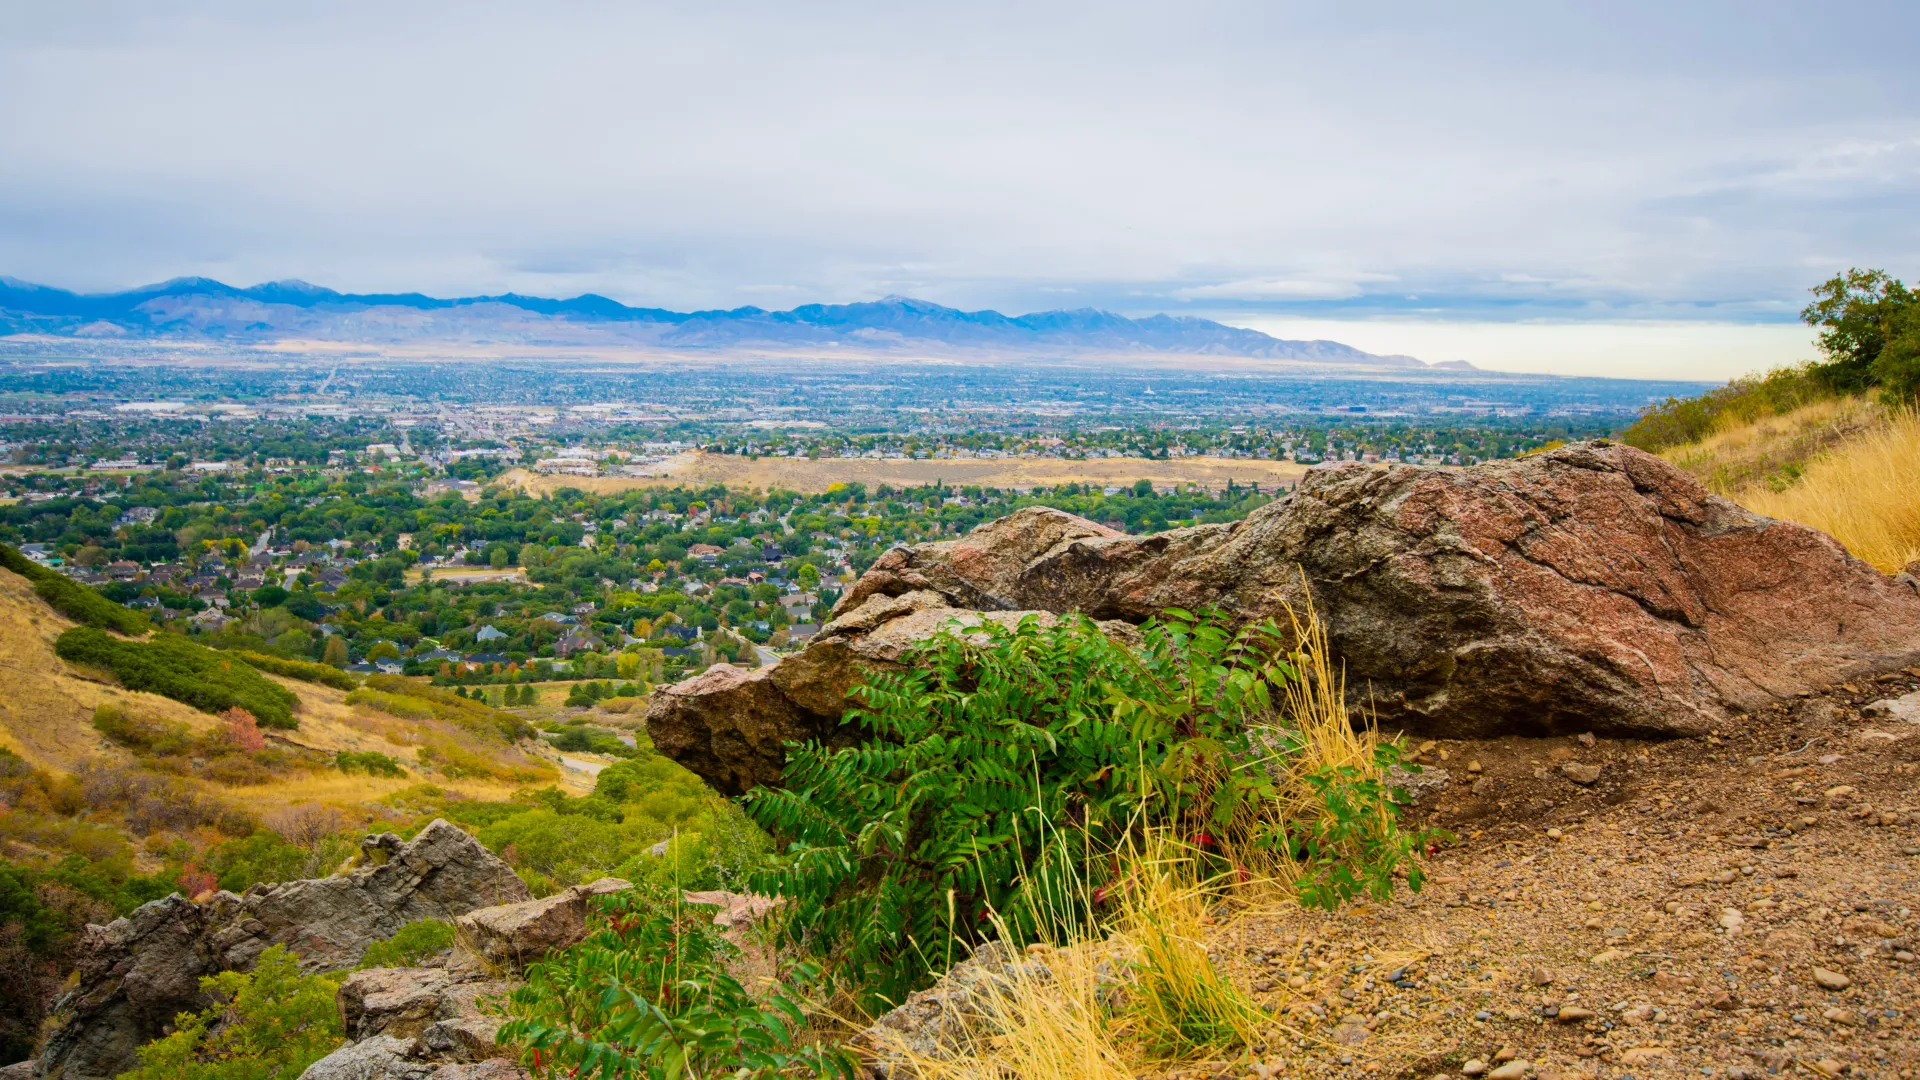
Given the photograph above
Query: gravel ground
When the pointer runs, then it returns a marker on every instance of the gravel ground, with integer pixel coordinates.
(1735, 906)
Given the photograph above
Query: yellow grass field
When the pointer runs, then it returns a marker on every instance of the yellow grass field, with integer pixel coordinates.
(1843, 466)
(811, 477)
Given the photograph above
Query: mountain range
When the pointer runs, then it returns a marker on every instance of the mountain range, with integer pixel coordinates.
(203, 309)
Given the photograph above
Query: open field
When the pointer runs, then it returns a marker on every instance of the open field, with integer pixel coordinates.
(469, 575)
(809, 477)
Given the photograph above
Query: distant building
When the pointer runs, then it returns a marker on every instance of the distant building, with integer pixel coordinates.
(489, 633)
(576, 642)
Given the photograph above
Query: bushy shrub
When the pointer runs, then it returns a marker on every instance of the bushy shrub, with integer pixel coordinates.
(304, 670)
(371, 762)
(1679, 421)
(1006, 766)
(413, 943)
(172, 666)
(647, 995)
(415, 699)
(260, 857)
(636, 806)
(271, 1022)
(142, 734)
(236, 754)
(72, 599)
(586, 739)
(152, 803)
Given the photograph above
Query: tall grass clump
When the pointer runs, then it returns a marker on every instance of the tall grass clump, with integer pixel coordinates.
(1865, 494)
(1182, 1003)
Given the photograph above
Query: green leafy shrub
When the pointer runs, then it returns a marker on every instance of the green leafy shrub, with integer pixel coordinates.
(144, 735)
(271, 1022)
(172, 666)
(413, 943)
(261, 856)
(647, 995)
(415, 699)
(1679, 421)
(72, 599)
(304, 670)
(584, 738)
(1005, 768)
(371, 762)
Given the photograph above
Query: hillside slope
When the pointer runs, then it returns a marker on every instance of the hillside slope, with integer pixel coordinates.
(1843, 466)
(47, 707)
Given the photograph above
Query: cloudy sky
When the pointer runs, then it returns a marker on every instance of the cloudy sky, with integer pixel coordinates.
(1606, 188)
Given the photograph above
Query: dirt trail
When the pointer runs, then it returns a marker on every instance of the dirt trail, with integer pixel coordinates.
(1737, 906)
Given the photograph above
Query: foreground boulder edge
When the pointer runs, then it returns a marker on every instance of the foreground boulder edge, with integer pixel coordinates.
(1592, 587)
(134, 975)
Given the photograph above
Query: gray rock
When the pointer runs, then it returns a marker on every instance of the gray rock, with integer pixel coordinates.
(136, 973)
(511, 936)
(417, 1024)
(1906, 708)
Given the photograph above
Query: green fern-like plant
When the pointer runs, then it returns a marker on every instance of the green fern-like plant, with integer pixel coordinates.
(646, 996)
(1004, 765)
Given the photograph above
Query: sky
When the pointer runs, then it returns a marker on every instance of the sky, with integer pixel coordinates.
(1608, 188)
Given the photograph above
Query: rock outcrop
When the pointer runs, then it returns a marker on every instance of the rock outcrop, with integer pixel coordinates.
(1593, 587)
(511, 936)
(416, 1024)
(430, 1023)
(136, 973)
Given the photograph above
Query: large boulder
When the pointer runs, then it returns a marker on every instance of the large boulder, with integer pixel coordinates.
(1593, 587)
(136, 973)
(508, 937)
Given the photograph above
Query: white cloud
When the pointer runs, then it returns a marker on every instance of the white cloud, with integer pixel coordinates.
(1332, 287)
(1582, 161)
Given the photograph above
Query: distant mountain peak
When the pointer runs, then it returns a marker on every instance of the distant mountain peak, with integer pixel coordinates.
(202, 308)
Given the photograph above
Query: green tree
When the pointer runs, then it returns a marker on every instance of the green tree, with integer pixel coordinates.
(1857, 313)
(498, 560)
(336, 652)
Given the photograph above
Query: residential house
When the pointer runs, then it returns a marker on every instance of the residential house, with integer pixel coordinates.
(578, 641)
(489, 633)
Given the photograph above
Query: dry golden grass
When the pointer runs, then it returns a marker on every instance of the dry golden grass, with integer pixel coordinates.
(46, 704)
(1864, 493)
(1771, 452)
(812, 477)
(1048, 1020)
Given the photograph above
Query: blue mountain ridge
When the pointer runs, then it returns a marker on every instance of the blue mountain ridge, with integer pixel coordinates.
(203, 307)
